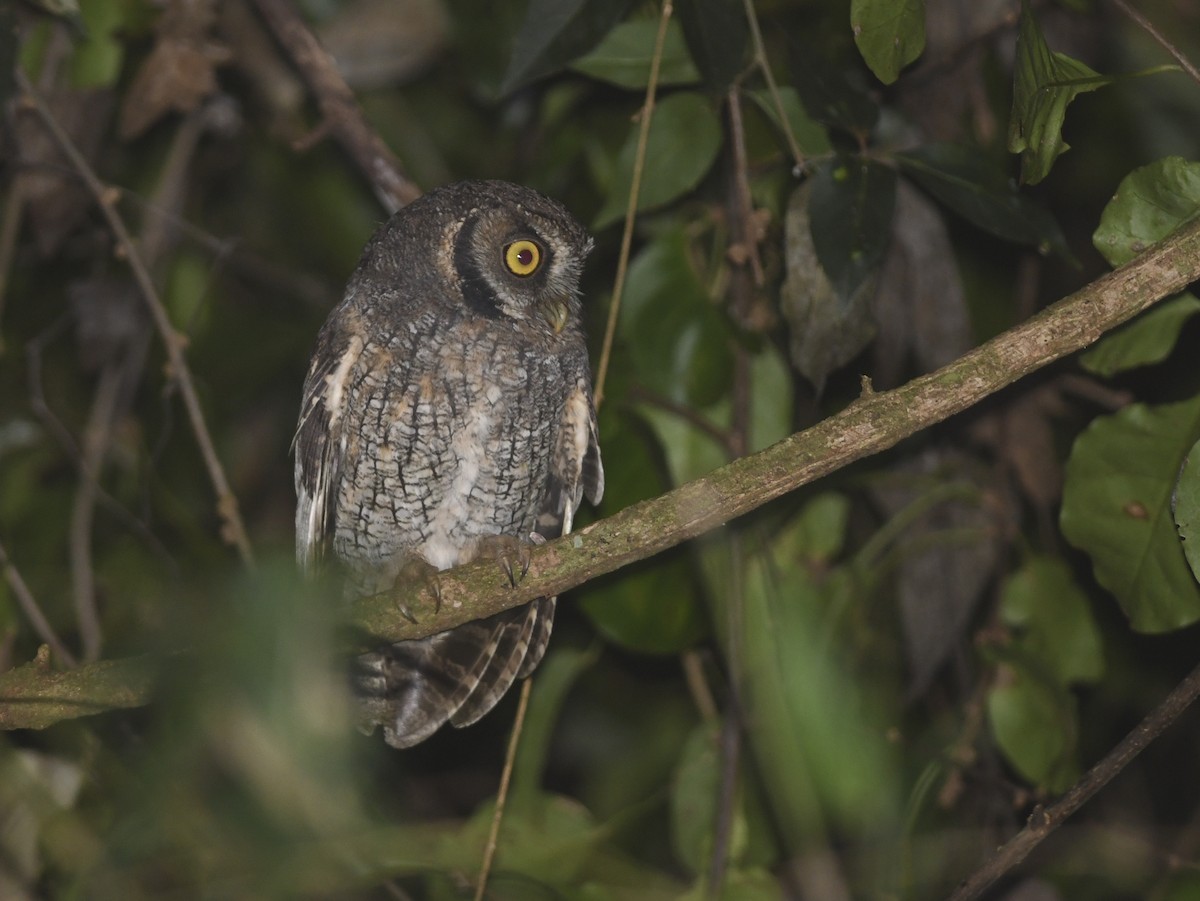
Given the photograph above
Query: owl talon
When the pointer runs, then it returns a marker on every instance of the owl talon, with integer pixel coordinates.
(511, 553)
(418, 571)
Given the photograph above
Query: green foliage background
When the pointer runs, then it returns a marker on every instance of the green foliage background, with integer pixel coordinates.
(857, 691)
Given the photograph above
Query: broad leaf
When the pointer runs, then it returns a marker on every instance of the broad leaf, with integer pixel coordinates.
(1117, 508)
(624, 57)
(1185, 508)
(826, 333)
(1053, 621)
(810, 136)
(962, 178)
(850, 213)
(1148, 339)
(1150, 203)
(554, 32)
(825, 91)
(1035, 722)
(685, 136)
(717, 35)
(1045, 84)
(890, 34)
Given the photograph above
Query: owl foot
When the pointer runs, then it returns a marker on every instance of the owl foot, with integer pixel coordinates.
(511, 553)
(417, 570)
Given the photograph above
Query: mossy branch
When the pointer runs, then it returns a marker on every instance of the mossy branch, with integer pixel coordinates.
(34, 697)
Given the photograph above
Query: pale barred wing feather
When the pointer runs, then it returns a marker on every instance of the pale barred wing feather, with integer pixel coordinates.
(320, 445)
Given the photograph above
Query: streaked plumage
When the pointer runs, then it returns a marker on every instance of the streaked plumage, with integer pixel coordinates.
(448, 402)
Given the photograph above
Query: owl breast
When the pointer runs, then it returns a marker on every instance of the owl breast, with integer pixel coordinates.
(453, 443)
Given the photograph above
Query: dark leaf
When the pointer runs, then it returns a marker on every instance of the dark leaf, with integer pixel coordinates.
(827, 94)
(554, 33)
(850, 213)
(716, 34)
(825, 332)
(962, 178)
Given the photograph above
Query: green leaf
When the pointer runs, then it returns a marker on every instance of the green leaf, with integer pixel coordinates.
(1035, 723)
(554, 32)
(653, 607)
(96, 62)
(1150, 203)
(685, 136)
(1185, 508)
(850, 213)
(890, 34)
(1053, 620)
(717, 35)
(810, 135)
(1148, 339)
(694, 792)
(1116, 507)
(677, 338)
(624, 56)
(1045, 83)
(963, 179)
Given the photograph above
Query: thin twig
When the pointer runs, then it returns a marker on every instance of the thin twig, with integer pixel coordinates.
(743, 220)
(1044, 821)
(635, 186)
(1148, 27)
(489, 849)
(764, 65)
(227, 506)
(343, 117)
(97, 436)
(33, 612)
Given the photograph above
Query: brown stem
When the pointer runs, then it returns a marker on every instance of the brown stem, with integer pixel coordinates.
(343, 117)
(1044, 821)
(227, 507)
(33, 612)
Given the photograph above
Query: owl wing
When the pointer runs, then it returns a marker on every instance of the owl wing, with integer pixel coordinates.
(320, 443)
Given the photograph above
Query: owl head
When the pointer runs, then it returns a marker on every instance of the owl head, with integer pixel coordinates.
(492, 249)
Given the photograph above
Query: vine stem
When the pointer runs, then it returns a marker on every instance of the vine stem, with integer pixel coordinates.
(105, 197)
(635, 187)
(1147, 26)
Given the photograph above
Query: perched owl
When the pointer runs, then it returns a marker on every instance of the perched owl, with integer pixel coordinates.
(448, 413)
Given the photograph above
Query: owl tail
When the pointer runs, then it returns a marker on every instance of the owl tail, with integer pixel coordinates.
(412, 688)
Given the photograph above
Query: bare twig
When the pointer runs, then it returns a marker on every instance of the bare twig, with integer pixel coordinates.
(493, 838)
(29, 606)
(97, 436)
(1148, 27)
(227, 506)
(764, 65)
(635, 187)
(873, 423)
(343, 117)
(1044, 821)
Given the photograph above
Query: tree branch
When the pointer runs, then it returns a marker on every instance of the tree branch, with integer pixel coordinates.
(1044, 821)
(343, 117)
(873, 423)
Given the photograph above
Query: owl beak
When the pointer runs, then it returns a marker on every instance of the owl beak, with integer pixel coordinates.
(556, 311)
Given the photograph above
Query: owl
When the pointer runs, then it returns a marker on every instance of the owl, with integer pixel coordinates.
(448, 414)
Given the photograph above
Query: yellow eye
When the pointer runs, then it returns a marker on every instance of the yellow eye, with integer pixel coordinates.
(523, 257)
